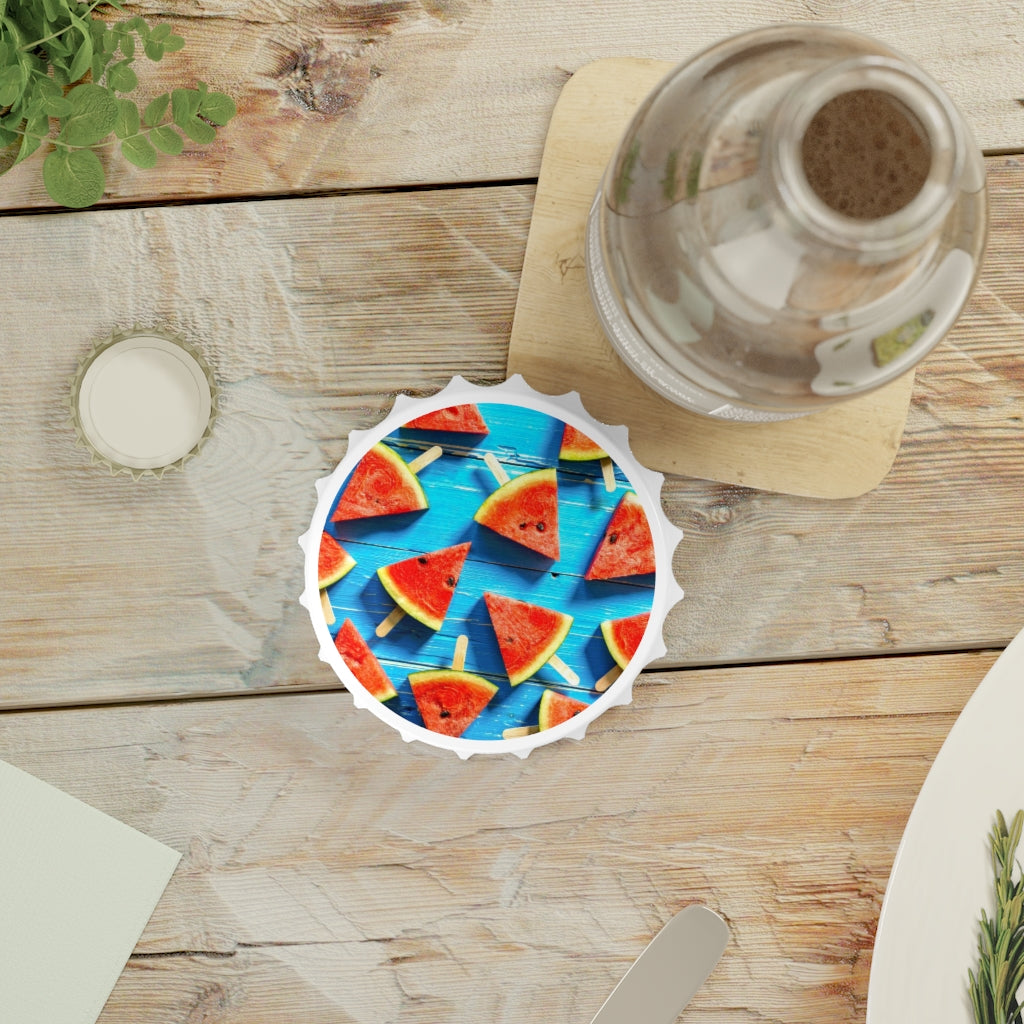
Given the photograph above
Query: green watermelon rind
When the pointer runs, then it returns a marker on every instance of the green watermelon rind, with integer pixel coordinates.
(417, 502)
(499, 501)
(544, 711)
(404, 600)
(608, 630)
(345, 565)
(419, 680)
(544, 654)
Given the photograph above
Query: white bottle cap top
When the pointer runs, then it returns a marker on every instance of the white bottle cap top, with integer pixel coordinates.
(143, 402)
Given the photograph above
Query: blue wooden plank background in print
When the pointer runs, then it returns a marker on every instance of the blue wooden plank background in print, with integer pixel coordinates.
(455, 484)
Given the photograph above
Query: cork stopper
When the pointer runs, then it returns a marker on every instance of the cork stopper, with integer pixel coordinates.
(143, 402)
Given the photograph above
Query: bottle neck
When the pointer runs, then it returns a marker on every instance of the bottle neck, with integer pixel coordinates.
(828, 185)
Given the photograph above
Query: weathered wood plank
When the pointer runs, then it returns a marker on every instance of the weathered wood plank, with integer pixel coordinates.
(348, 94)
(314, 313)
(334, 873)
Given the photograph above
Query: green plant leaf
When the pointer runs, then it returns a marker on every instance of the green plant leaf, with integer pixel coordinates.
(127, 122)
(121, 77)
(184, 106)
(217, 107)
(155, 110)
(94, 113)
(154, 51)
(137, 150)
(173, 43)
(54, 103)
(12, 82)
(128, 45)
(160, 33)
(74, 177)
(83, 57)
(52, 9)
(167, 140)
(198, 130)
(36, 128)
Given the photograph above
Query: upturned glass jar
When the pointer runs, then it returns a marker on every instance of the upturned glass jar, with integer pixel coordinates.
(793, 217)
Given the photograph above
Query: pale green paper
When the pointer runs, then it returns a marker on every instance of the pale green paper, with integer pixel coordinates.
(76, 890)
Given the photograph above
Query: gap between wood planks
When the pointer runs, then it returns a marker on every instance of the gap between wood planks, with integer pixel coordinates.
(339, 688)
(271, 197)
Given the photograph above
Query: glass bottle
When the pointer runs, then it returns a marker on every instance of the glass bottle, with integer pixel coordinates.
(793, 217)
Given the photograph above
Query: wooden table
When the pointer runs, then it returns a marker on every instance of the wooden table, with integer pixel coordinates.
(356, 232)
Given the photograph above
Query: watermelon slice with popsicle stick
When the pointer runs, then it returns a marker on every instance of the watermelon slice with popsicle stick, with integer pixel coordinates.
(423, 586)
(333, 561)
(456, 419)
(528, 636)
(622, 638)
(450, 699)
(578, 447)
(627, 547)
(556, 708)
(362, 662)
(383, 484)
(523, 509)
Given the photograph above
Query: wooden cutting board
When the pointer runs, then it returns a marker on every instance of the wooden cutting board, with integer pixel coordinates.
(557, 343)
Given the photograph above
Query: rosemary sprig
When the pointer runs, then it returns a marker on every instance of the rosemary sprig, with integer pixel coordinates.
(1001, 940)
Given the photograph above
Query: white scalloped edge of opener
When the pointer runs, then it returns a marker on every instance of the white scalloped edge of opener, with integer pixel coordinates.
(645, 482)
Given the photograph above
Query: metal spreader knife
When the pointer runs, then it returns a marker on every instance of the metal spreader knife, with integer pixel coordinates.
(668, 973)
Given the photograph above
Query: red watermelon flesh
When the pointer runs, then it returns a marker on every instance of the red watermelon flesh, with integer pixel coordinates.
(577, 447)
(456, 419)
(423, 586)
(525, 509)
(556, 708)
(623, 636)
(627, 548)
(333, 561)
(380, 485)
(448, 700)
(528, 634)
(363, 662)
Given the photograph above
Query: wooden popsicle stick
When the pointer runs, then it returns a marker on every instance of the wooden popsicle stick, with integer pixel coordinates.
(563, 670)
(325, 603)
(608, 472)
(425, 459)
(390, 622)
(608, 678)
(520, 730)
(459, 658)
(496, 468)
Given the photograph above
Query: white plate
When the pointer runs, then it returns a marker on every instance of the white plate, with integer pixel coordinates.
(942, 878)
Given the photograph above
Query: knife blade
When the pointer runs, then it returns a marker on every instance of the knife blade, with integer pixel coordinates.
(668, 973)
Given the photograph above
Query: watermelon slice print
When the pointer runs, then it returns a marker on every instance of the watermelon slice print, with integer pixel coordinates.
(627, 547)
(382, 484)
(333, 561)
(362, 662)
(623, 636)
(456, 419)
(528, 635)
(556, 708)
(449, 699)
(577, 447)
(525, 510)
(423, 586)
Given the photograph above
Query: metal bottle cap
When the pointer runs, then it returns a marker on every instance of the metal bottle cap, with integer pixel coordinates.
(143, 402)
